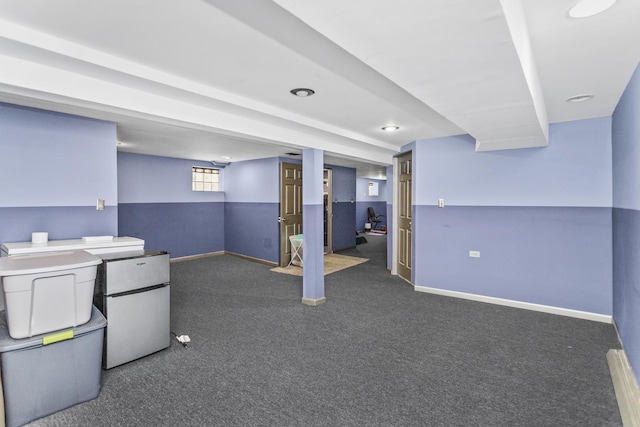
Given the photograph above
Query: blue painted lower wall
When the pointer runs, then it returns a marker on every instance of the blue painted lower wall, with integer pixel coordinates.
(556, 256)
(626, 281)
(61, 222)
(252, 229)
(389, 210)
(313, 252)
(183, 229)
(362, 213)
(344, 230)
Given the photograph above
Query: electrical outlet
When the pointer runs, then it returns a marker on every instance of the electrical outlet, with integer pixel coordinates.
(441, 203)
(100, 205)
(474, 254)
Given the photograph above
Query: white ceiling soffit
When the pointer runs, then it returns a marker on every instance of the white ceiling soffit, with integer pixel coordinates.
(196, 77)
(595, 55)
(463, 58)
(203, 67)
(100, 82)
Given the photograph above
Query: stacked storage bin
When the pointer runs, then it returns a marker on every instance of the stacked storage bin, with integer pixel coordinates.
(51, 336)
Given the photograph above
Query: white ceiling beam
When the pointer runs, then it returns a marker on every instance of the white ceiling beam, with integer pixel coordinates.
(25, 78)
(516, 21)
(282, 26)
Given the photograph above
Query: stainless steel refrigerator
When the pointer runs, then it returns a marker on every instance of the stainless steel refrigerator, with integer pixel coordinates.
(132, 291)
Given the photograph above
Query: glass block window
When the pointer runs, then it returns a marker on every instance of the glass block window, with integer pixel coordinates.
(205, 179)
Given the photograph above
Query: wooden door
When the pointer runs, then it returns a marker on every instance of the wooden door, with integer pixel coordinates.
(328, 211)
(290, 207)
(404, 216)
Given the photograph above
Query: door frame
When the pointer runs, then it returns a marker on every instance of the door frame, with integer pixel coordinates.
(285, 251)
(395, 209)
(395, 202)
(328, 196)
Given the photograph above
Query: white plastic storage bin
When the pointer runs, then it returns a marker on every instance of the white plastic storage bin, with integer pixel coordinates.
(47, 292)
(42, 375)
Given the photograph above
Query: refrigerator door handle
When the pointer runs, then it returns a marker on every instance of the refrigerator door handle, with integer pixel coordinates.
(137, 291)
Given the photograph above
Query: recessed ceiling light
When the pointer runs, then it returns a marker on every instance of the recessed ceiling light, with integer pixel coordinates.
(586, 8)
(226, 157)
(302, 92)
(580, 98)
(390, 128)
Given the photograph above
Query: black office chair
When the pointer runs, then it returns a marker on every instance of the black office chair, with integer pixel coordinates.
(374, 219)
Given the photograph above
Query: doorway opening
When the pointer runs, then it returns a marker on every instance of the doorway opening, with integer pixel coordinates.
(327, 187)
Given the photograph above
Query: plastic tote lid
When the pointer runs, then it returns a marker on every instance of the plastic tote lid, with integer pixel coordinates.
(7, 343)
(42, 263)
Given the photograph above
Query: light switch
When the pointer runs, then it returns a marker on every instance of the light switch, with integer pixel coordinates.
(441, 203)
(100, 205)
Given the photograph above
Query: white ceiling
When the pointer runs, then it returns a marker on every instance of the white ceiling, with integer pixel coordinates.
(202, 79)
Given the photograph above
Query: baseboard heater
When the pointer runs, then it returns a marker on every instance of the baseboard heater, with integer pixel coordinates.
(626, 387)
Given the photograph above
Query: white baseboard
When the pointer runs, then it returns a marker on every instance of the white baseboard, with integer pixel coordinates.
(188, 257)
(209, 254)
(314, 302)
(250, 258)
(519, 304)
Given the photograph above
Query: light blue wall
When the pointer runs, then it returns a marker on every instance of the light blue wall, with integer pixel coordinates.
(151, 179)
(362, 190)
(55, 166)
(52, 159)
(64, 163)
(626, 220)
(157, 204)
(364, 201)
(574, 170)
(252, 207)
(253, 181)
(626, 147)
(540, 218)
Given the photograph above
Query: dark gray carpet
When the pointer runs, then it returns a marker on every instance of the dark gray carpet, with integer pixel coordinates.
(376, 354)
